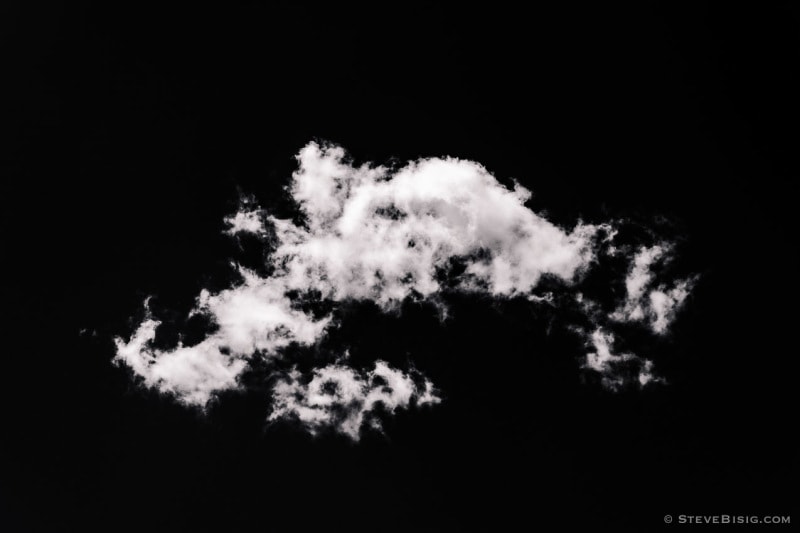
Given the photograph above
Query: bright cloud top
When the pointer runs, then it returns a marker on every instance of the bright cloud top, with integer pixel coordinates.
(383, 235)
(372, 234)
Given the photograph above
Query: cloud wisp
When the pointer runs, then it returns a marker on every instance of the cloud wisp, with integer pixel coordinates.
(373, 233)
(647, 303)
(342, 398)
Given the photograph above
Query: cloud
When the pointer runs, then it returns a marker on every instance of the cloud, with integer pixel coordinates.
(343, 399)
(192, 374)
(617, 370)
(380, 234)
(655, 306)
(245, 222)
(370, 233)
(254, 318)
(257, 317)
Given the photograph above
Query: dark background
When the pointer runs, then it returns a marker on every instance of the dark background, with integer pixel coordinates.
(129, 132)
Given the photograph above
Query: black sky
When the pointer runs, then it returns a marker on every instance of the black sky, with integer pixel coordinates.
(129, 132)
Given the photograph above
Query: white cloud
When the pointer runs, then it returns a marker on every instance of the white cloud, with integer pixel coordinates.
(616, 370)
(664, 303)
(343, 399)
(644, 303)
(245, 222)
(192, 374)
(253, 318)
(378, 234)
(258, 317)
